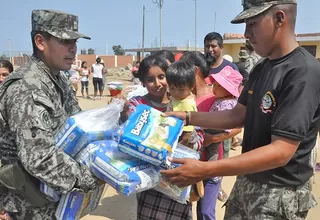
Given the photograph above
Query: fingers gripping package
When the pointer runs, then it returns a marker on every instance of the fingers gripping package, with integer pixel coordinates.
(123, 172)
(74, 205)
(180, 195)
(88, 126)
(149, 136)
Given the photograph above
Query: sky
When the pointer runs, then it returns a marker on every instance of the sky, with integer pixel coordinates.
(119, 22)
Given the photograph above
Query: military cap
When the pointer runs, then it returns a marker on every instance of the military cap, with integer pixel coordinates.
(57, 23)
(253, 8)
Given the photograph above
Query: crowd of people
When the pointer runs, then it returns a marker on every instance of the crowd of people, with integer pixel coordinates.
(272, 93)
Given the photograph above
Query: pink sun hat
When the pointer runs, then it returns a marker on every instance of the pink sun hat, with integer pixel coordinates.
(230, 79)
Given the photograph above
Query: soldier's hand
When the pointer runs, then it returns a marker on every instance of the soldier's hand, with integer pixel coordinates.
(190, 172)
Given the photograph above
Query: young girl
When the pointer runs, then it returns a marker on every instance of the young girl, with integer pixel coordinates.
(226, 90)
(153, 204)
(226, 85)
(85, 73)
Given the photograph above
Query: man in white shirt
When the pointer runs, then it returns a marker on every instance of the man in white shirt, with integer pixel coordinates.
(97, 70)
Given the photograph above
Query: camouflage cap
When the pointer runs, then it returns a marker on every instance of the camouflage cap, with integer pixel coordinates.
(253, 8)
(57, 23)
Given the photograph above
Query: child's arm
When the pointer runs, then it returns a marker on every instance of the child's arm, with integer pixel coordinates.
(209, 139)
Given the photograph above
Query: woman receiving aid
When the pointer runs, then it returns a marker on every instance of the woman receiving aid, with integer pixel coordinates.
(226, 85)
(153, 204)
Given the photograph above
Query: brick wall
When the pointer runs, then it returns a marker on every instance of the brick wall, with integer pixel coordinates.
(124, 60)
(110, 61)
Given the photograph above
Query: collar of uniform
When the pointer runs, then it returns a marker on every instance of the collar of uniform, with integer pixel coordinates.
(46, 69)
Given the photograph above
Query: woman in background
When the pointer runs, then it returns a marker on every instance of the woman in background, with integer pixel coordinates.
(5, 68)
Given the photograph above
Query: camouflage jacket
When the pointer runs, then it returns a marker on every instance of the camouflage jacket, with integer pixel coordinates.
(251, 61)
(34, 104)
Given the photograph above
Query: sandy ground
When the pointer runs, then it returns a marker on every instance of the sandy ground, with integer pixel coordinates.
(118, 207)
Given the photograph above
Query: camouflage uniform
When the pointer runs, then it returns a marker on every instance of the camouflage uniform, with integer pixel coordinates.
(34, 104)
(252, 201)
(251, 61)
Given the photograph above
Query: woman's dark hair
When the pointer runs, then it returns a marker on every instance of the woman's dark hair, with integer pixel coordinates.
(33, 34)
(83, 62)
(166, 54)
(151, 61)
(180, 74)
(6, 64)
(214, 36)
(199, 60)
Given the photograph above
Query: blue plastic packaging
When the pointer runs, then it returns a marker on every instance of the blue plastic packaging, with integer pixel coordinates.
(85, 127)
(123, 172)
(149, 136)
(180, 195)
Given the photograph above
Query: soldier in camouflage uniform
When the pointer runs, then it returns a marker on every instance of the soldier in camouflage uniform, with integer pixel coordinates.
(279, 108)
(36, 99)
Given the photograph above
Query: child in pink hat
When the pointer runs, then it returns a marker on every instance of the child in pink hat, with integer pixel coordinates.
(226, 86)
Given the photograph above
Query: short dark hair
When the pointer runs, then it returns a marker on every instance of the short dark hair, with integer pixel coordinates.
(6, 64)
(98, 60)
(151, 61)
(46, 35)
(166, 54)
(181, 73)
(199, 60)
(214, 36)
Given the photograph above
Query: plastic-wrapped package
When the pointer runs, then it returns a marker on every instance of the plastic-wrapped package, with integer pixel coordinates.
(88, 126)
(149, 136)
(50, 193)
(180, 195)
(74, 205)
(121, 171)
(136, 90)
(83, 128)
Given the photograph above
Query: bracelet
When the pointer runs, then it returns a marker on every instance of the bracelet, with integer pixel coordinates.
(187, 118)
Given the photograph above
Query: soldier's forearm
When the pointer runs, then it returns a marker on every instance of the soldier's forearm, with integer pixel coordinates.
(53, 167)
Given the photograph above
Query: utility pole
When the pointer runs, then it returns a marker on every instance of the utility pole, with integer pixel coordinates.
(160, 4)
(143, 27)
(195, 25)
(9, 47)
(214, 24)
(107, 50)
